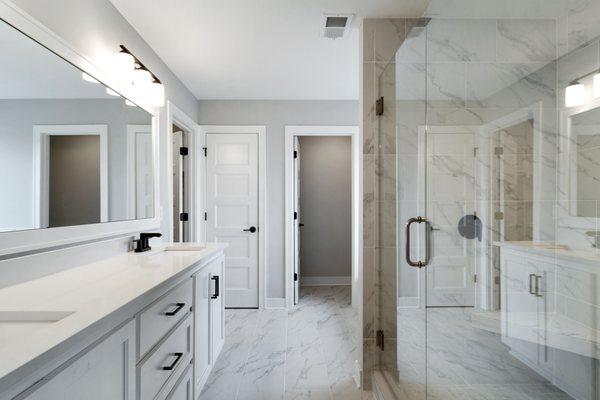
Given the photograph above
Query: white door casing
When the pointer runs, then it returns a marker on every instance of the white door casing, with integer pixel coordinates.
(450, 185)
(297, 217)
(232, 204)
(140, 172)
(41, 168)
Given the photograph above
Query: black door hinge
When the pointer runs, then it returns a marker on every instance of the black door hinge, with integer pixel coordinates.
(379, 106)
(183, 216)
(295, 277)
(183, 151)
(295, 215)
(206, 216)
(205, 151)
(295, 154)
(379, 339)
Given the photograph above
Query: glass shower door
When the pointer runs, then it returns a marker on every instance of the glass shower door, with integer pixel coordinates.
(496, 212)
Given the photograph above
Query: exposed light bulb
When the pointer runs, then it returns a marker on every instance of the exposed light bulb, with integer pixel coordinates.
(142, 77)
(156, 92)
(596, 84)
(88, 78)
(123, 64)
(575, 94)
(130, 103)
(112, 92)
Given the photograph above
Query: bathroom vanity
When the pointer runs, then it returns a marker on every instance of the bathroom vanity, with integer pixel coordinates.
(137, 326)
(549, 312)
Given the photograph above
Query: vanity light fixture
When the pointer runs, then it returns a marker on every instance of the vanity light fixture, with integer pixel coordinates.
(574, 94)
(144, 81)
(88, 78)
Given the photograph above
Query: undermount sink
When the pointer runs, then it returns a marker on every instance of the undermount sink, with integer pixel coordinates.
(21, 323)
(43, 317)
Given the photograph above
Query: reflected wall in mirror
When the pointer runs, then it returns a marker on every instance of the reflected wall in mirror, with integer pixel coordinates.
(585, 156)
(71, 153)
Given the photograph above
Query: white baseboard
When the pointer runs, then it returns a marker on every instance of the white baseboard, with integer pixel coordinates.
(275, 302)
(325, 280)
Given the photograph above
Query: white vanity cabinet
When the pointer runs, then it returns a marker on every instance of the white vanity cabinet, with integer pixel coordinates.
(527, 301)
(164, 344)
(209, 320)
(104, 371)
(549, 303)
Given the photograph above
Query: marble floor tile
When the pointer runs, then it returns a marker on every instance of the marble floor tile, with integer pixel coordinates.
(306, 353)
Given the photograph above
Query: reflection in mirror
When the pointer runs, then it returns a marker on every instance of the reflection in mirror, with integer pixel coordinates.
(71, 153)
(585, 134)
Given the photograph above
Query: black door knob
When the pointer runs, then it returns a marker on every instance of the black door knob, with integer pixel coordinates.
(251, 229)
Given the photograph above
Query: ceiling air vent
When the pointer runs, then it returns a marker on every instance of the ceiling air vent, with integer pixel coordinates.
(336, 26)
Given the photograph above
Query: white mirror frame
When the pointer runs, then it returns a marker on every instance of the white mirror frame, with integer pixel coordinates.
(19, 242)
(567, 176)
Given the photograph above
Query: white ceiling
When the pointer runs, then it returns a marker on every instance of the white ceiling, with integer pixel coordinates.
(258, 49)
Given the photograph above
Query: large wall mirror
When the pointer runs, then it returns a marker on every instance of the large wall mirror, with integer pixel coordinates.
(72, 151)
(583, 161)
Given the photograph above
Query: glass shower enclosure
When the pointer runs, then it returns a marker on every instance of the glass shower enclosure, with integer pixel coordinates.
(489, 152)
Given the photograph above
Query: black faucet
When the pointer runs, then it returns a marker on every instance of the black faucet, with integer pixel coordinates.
(141, 244)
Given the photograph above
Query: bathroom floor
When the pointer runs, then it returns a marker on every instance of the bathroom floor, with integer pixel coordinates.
(304, 353)
(466, 359)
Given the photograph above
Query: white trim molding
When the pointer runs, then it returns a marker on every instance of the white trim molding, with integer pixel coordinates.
(41, 167)
(275, 302)
(176, 116)
(263, 237)
(313, 130)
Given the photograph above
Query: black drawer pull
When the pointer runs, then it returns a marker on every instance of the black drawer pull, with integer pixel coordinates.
(178, 308)
(216, 294)
(172, 366)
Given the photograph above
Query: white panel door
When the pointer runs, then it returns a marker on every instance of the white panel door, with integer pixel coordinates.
(232, 204)
(450, 196)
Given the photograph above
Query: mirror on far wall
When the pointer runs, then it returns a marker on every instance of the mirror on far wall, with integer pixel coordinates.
(72, 151)
(585, 167)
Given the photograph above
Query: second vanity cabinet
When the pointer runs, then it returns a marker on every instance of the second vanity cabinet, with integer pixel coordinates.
(165, 351)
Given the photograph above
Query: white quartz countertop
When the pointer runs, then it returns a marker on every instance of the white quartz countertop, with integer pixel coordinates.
(90, 293)
(550, 249)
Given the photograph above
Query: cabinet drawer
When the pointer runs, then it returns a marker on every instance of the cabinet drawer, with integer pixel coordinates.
(163, 314)
(167, 360)
(184, 388)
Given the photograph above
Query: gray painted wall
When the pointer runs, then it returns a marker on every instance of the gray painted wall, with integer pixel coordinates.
(275, 115)
(326, 206)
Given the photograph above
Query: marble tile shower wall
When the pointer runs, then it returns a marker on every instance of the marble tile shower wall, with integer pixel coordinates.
(381, 38)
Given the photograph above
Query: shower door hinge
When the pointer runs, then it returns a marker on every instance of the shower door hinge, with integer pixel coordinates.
(498, 215)
(205, 151)
(475, 278)
(205, 216)
(499, 151)
(379, 339)
(295, 277)
(295, 154)
(379, 106)
(295, 215)
(183, 151)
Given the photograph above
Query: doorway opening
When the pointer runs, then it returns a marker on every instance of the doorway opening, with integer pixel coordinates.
(322, 208)
(181, 184)
(323, 213)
